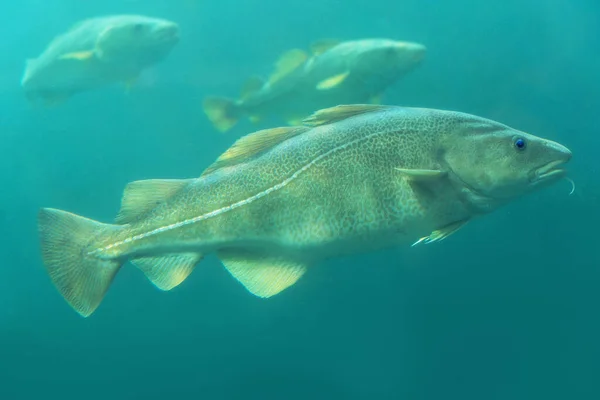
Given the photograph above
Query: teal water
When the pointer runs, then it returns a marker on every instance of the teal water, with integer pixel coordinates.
(504, 309)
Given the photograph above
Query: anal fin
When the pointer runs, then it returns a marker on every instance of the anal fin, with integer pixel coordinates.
(442, 233)
(168, 271)
(262, 276)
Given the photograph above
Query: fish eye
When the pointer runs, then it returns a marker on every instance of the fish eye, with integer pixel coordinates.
(390, 52)
(520, 143)
(137, 28)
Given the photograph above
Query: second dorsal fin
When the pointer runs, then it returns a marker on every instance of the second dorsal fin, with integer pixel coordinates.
(140, 197)
(338, 113)
(288, 63)
(253, 144)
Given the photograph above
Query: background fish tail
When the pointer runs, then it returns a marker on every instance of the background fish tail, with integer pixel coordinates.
(224, 113)
(66, 240)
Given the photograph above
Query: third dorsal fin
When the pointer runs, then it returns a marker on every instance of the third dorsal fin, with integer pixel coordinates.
(338, 113)
(253, 144)
(252, 85)
(140, 197)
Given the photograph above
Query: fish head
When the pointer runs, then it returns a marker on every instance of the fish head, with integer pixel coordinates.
(145, 39)
(388, 57)
(492, 164)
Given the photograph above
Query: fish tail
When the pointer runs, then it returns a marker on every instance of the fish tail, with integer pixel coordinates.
(222, 112)
(81, 276)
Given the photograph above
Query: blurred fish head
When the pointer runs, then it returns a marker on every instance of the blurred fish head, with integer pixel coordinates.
(492, 164)
(137, 37)
(388, 57)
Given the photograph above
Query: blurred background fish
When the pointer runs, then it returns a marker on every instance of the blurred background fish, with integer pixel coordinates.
(96, 52)
(334, 73)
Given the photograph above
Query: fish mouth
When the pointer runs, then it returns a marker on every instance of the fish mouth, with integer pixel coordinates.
(549, 172)
(417, 51)
(168, 34)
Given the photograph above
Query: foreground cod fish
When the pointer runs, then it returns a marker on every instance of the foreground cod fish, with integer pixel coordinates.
(337, 73)
(98, 52)
(356, 178)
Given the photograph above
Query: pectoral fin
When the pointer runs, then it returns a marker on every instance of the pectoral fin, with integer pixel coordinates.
(442, 233)
(333, 81)
(78, 55)
(262, 276)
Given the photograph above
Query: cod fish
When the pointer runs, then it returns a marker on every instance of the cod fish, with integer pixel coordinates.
(97, 52)
(337, 73)
(353, 179)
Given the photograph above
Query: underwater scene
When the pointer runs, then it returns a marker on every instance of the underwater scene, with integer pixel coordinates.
(300, 200)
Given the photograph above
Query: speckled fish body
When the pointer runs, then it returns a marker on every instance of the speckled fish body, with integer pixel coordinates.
(373, 65)
(357, 179)
(349, 72)
(97, 52)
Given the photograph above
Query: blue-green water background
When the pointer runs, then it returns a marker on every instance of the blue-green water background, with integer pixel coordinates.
(505, 309)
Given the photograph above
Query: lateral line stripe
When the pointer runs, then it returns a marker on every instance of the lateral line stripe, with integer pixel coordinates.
(238, 204)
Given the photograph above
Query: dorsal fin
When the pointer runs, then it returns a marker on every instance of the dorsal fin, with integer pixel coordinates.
(288, 63)
(338, 113)
(140, 197)
(79, 24)
(252, 85)
(253, 144)
(321, 46)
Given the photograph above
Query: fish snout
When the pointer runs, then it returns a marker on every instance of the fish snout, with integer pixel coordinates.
(169, 31)
(415, 51)
(552, 170)
(561, 152)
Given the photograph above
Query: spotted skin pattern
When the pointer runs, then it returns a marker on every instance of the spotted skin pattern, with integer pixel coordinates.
(331, 190)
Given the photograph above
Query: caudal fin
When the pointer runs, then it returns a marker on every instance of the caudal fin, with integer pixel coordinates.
(79, 275)
(222, 112)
